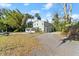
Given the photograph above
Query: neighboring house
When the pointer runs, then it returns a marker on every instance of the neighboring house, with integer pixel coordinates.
(42, 25)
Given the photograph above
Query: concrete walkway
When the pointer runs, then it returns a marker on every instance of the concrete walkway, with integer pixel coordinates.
(50, 42)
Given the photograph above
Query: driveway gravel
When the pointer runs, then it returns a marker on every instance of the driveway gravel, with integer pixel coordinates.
(50, 42)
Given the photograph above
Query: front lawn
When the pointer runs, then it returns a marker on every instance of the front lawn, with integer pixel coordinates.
(18, 44)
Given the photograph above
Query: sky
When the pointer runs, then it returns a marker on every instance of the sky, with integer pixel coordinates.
(46, 10)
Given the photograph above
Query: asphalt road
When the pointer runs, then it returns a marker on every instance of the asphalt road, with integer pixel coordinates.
(50, 42)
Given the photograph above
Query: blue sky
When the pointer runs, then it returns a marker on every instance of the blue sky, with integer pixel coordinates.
(46, 10)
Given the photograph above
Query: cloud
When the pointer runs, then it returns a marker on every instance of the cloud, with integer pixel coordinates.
(47, 6)
(48, 17)
(75, 16)
(5, 5)
(26, 4)
(48, 14)
(35, 11)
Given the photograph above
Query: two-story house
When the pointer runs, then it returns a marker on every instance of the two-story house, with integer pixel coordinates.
(42, 25)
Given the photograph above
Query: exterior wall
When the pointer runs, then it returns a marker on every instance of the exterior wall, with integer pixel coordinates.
(44, 26)
(47, 27)
(39, 24)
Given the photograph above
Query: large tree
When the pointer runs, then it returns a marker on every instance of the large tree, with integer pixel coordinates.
(15, 19)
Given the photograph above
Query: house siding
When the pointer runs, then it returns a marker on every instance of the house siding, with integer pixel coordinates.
(47, 27)
(39, 24)
(44, 26)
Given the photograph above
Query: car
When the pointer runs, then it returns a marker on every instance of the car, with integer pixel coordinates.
(30, 30)
(4, 33)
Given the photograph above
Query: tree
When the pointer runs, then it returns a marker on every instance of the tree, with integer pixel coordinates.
(26, 16)
(67, 12)
(56, 22)
(38, 16)
(15, 19)
(67, 17)
(0, 12)
(2, 26)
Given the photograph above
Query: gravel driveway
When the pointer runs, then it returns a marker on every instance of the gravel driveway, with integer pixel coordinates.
(50, 42)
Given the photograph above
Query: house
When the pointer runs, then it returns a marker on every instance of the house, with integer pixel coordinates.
(42, 25)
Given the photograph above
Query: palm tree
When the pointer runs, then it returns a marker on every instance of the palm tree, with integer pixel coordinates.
(15, 19)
